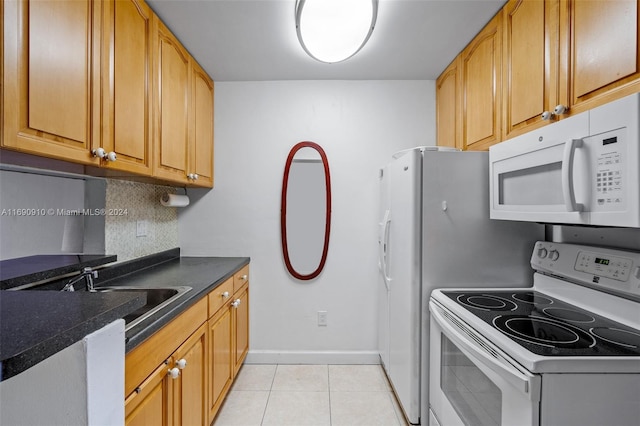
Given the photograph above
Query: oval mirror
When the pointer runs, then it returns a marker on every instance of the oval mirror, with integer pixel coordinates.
(305, 213)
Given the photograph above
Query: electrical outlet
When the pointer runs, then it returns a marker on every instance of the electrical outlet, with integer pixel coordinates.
(322, 318)
(141, 228)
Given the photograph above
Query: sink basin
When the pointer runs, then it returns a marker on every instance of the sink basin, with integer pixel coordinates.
(158, 298)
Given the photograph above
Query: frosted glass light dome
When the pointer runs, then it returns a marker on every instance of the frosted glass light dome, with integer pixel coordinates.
(334, 30)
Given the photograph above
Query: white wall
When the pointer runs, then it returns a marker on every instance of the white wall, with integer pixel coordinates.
(359, 124)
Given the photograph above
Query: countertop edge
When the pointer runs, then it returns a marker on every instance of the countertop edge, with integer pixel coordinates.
(203, 274)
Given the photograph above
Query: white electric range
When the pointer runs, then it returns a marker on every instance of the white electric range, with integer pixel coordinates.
(564, 352)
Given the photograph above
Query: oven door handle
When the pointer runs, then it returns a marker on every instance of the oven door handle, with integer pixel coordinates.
(486, 353)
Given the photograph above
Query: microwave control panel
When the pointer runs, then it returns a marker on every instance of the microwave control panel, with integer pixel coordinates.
(609, 163)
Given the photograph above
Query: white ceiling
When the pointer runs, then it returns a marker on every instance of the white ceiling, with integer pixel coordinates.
(253, 40)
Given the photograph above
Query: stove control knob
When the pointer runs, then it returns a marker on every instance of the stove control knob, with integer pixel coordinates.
(542, 252)
(554, 255)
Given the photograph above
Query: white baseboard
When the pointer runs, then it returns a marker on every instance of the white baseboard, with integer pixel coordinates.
(311, 357)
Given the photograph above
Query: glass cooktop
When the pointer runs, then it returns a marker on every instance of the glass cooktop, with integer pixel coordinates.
(547, 326)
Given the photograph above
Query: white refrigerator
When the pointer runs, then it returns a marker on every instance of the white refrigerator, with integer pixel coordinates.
(435, 232)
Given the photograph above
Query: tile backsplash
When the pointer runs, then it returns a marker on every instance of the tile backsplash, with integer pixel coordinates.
(133, 205)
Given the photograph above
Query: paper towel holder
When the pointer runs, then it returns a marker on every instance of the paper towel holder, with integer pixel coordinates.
(174, 200)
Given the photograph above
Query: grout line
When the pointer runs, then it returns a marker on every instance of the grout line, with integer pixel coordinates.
(329, 392)
(264, 413)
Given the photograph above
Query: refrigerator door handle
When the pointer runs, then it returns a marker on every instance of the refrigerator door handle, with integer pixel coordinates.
(384, 243)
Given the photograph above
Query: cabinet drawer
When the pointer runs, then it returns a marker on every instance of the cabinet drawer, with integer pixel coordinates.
(240, 278)
(220, 295)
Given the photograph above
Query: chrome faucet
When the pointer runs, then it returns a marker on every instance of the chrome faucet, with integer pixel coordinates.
(88, 275)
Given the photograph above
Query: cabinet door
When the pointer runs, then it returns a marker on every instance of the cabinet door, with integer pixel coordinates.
(448, 107)
(530, 64)
(601, 51)
(127, 93)
(241, 327)
(50, 78)
(201, 141)
(189, 396)
(481, 81)
(172, 107)
(220, 363)
(150, 404)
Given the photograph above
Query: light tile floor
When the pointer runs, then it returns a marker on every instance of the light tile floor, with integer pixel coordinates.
(315, 395)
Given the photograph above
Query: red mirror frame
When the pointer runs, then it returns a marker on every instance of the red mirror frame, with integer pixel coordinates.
(283, 210)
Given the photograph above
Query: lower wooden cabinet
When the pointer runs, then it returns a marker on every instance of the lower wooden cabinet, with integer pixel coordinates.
(181, 374)
(220, 347)
(240, 327)
(190, 386)
(228, 341)
(150, 402)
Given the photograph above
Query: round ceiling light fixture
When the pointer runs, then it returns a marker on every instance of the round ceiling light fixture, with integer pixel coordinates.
(334, 30)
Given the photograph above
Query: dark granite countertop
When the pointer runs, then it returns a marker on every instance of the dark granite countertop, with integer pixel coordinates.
(202, 274)
(39, 322)
(36, 324)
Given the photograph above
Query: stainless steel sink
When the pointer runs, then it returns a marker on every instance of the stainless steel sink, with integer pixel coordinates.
(158, 298)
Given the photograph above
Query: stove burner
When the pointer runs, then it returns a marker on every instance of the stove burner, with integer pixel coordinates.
(544, 331)
(532, 298)
(568, 315)
(487, 302)
(627, 339)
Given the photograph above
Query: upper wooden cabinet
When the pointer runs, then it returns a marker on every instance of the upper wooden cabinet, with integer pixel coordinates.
(105, 76)
(481, 71)
(448, 103)
(599, 52)
(201, 138)
(127, 86)
(172, 107)
(50, 78)
(184, 110)
(568, 53)
(530, 38)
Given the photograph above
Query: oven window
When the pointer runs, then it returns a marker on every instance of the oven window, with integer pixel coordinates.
(539, 185)
(475, 398)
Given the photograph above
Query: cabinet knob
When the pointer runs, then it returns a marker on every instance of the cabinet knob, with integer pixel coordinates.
(101, 153)
(547, 115)
(181, 363)
(560, 109)
(236, 303)
(225, 295)
(243, 277)
(195, 176)
(192, 176)
(174, 372)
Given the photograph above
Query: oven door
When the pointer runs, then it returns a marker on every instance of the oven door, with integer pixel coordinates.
(474, 383)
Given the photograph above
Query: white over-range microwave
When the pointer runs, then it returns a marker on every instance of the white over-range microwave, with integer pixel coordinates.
(580, 170)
